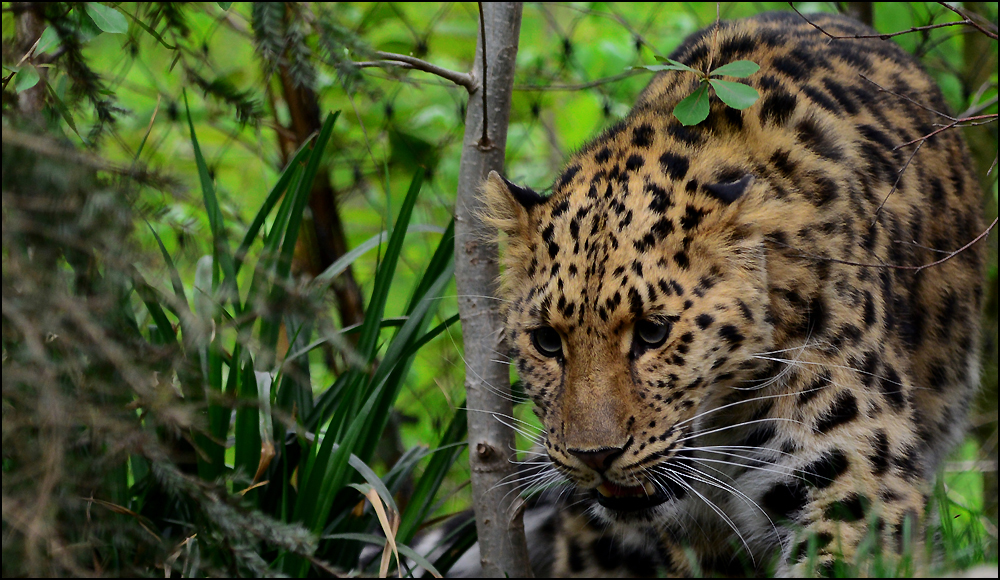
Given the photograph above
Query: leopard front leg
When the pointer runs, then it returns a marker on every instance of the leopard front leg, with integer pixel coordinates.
(843, 526)
(585, 547)
(856, 489)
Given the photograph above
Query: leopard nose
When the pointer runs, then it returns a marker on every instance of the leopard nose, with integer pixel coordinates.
(598, 460)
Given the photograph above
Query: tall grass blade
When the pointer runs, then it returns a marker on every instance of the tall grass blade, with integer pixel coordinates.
(175, 278)
(272, 198)
(215, 220)
(426, 488)
(165, 333)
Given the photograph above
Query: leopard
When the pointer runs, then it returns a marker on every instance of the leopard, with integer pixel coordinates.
(751, 341)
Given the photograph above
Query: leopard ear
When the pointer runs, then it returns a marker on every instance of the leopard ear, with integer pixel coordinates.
(507, 206)
(729, 191)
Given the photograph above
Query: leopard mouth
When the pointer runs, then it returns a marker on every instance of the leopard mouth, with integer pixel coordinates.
(622, 498)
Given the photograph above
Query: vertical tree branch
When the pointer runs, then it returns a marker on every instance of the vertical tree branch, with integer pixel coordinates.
(503, 550)
(861, 11)
(29, 26)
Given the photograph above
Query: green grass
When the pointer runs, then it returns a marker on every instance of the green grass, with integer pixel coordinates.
(300, 450)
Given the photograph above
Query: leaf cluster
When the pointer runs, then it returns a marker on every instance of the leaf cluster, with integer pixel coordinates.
(694, 108)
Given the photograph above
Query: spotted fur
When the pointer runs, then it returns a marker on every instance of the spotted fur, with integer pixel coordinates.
(811, 377)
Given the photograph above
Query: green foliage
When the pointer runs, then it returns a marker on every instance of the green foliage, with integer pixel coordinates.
(319, 452)
(106, 18)
(694, 108)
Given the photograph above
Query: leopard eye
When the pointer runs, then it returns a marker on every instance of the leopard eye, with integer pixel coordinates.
(651, 333)
(547, 341)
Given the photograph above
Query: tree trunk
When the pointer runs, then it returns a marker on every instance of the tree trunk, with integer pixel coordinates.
(503, 550)
(861, 11)
(29, 26)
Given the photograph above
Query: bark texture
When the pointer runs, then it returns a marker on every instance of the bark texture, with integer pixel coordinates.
(503, 550)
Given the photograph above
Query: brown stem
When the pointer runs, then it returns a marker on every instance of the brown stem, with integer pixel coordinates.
(404, 61)
(324, 242)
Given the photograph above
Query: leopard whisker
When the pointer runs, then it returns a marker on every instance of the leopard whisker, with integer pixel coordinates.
(800, 350)
(772, 380)
(498, 299)
(534, 437)
(733, 404)
(695, 435)
(522, 429)
(843, 367)
(679, 480)
(782, 472)
(540, 485)
(719, 484)
(490, 387)
(714, 448)
(787, 471)
(528, 477)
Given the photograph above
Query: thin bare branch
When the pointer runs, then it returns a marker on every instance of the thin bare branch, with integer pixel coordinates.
(969, 20)
(906, 98)
(888, 35)
(979, 108)
(467, 80)
(581, 86)
(963, 122)
(947, 256)
(895, 185)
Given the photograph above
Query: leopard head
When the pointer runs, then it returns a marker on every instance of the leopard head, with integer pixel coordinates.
(633, 306)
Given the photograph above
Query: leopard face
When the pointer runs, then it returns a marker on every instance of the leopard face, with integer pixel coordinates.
(632, 310)
(729, 331)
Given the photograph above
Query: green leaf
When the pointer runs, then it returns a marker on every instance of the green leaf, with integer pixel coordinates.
(298, 199)
(739, 69)
(325, 278)
(64, 111)
(246, 430)
(107, 18)
(676, 65)
(224, 5)
(49, 39)
(204, 304)
(26, 78)
(655, 67)
(694, 108)
(301, 196)
(736, 95)
(373, 480)
(150, 31)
